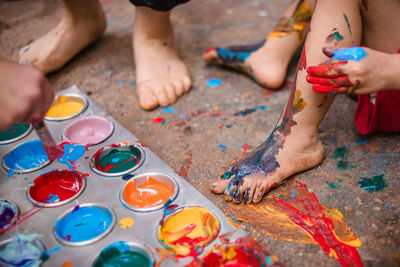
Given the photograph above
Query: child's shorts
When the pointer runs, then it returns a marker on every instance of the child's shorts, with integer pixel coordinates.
(159, 5)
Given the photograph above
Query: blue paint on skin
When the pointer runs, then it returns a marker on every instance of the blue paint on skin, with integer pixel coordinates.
(346, 54)
(237, 54)
(213, 83)
(83, 224)
(28, 155)
(71, 154)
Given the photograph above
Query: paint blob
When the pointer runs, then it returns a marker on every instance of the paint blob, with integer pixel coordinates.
(151, 193)
(117, 159)
(16, 132)
(88, 131)
(126, 222)
(21, 250)
(8, 214)
(26, 157)
(71, 154)
(122, 253)
(188, 230)
(84, 223)
(65, 106)
(57, 187)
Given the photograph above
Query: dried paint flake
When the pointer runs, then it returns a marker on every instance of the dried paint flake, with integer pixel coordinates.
(126, 222)
(248, 111)
(159, 120)
(213, 83)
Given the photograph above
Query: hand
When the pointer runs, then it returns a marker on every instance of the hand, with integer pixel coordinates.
(356, 70)
(25, 94)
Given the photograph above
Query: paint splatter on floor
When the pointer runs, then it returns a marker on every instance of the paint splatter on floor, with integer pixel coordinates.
(212, 83)
(373, 184)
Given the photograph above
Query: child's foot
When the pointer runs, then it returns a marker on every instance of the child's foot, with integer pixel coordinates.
(265, 62)
(161, 75)
(67, 39)
(269, 165)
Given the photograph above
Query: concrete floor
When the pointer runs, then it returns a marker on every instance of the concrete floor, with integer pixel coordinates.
(191, 145)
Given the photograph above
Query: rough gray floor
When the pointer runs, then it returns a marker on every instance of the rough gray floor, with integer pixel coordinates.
(191, 145)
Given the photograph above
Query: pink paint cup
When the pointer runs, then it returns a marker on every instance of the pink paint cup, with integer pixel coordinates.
(88, 131)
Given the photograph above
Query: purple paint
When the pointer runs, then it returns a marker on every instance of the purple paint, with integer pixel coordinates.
(88, 131)
(8, 213)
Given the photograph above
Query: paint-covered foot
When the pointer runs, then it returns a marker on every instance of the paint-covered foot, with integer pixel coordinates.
(161, 75)
(265, 62)
(269, 165)
(68, 38)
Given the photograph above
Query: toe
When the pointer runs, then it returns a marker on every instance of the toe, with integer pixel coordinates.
(187, 83)
(170, 92)
(239, 195)
(147, 99)
(219, 186)
(179, 88)
(259, 193)
(210, 55)
(248, 195)
(162, 96)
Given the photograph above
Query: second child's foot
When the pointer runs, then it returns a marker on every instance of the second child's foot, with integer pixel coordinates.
(266, 62)
(68, 38)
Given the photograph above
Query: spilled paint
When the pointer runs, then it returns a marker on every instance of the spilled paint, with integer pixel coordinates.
(335, 36)
(298, 103)
(151, 193)
(56, 186)
(352, 54)
(244, 251)
(340, 153)
(303, 219)
(213, 83)
(248, 111)
(188, 231)
(64, 108)
(126, 222)
(344, 165)
(7, 214)
(303, 60)
(27, 156)
(159, 120)
(119, 158)
(120, 253)
(373, 184)
(236, 54)
(22, 250)
(299, 20)
(83, 224)
(14, 132)
(72, 153)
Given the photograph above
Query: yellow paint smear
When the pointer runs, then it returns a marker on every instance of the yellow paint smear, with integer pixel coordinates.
(64, 108)
(126, 222)
(189, 228)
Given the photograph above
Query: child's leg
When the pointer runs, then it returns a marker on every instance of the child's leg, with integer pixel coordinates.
(294, 145)
(160, 73)
(83, 23)
(267, 61)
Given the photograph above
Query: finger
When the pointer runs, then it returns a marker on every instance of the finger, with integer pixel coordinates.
(331, 70)
(48, 96)
(318, 80)
(324, 89)
(342, 81)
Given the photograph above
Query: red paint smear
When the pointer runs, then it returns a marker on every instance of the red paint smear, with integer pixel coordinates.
(315, 223)
(62, 183)
(188, 163)
(22, 218)
(210, 49)
(245, 148)
(303, 60)
(158, 120)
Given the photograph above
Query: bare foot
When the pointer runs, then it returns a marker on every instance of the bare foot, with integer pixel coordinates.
(265, 62)
(269, 165)
(77, 29)
(161, 75)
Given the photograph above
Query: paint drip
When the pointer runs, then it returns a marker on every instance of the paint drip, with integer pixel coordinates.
(28, 156)
(22, 250)
(88, 131)
(83, 224)
(56, 186)
(8, 214)
(188, 231)
(71, 154)
(64, 108)
(120, 253)
(14, 132)
(117, 159)
(151, 193)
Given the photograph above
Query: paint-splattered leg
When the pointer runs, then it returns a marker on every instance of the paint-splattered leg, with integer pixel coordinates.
(294, 145)
(161, 75)
(267, 61)
(83, 23)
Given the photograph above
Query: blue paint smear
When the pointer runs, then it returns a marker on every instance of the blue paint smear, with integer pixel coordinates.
(248, 111)
(346, 54)
(47, 171)
(53, 198)
(132, 83)
(362, 142)
(71, 154)
(169, 110)
(54, 250)
(213, 83)
(293, 194)
(83, 224)
(229, 55)
(21, 251)
(183, 116)
(121, 81)
(222, 146)
(26, 156)
(27, 49)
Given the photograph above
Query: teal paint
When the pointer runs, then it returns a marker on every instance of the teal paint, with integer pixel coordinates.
(348, 24)
(333, 185)
(340, 153)
(373, 184)
(344, 165)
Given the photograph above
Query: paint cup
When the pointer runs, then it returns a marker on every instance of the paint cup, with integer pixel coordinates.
(27, 157)
(15, 133)
(8, 214)
(88, 131)
(22, 250)
(188, 230)
(84, 224)
(56, 188)
(66, 106)
(123, 253)
(117, 159)
(149, 192)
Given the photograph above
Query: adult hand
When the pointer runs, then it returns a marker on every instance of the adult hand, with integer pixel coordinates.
(356, 70)
(25, 94)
